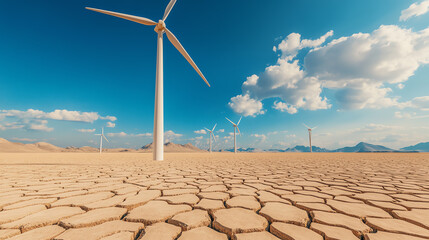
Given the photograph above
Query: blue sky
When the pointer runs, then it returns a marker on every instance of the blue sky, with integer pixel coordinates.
(356, 69)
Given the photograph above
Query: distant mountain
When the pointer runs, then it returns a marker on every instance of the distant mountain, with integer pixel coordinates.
(172, 147)
(420, 147)
(244, 150)
(365, 147)
(306, 149)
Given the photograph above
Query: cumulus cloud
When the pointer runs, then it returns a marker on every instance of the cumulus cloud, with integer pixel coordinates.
(124, 134)
(170, 136)
(11, 125)
(293, 43)
(110, 118)
(202, 131)
(110, 125)
(358, 68)
(246, 106)
(86, 130)
(143, 135)
(221, 130)
(415, 9)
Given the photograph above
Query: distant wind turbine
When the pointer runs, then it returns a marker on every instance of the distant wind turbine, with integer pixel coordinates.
(211, 135)
(309, 134)
(235, 127)
(101, 139)
(160, 28)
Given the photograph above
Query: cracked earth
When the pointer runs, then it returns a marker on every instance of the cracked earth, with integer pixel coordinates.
(299, 196)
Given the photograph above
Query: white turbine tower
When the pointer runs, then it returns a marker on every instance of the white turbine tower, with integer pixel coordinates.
(101, 139)
(235, 127)
(211, 135)
(309, 135)
(158, 129)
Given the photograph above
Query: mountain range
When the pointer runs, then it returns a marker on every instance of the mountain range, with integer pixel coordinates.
(7, 146)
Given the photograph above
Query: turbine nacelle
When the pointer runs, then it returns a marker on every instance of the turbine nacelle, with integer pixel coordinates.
(160, 26)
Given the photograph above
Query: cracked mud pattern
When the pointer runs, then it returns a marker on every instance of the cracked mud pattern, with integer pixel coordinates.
(214, 196)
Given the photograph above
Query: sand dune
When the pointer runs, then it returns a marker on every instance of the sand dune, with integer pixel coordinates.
(40, 147)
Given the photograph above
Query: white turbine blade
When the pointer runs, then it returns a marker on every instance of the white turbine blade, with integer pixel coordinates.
(180, 48)
(214, 138)
(136, 19)
(314, 128)
(207, 129)
(306, 126)
(168, 9)
(238, 131)
(97, 134)
(230, 121)
(105, 138)
(239, 120)
(214, 127)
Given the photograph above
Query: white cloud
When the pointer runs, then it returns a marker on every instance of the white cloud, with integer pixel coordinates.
(110, 125)
(120, 134)
(62, 115)
(39, 125)
(421, 103)
(221, 130)
(293, 43)
(86, 130)
(409, 115)
(358, 68)
(143, 135)
(262, 137)
(246, 106)
(11, 125)
(170, 136)
(416, 9)
(110, 118)
(24, 139)
(202, 131)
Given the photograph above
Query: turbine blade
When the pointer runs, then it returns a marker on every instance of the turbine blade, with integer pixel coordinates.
(214, 138)
(214, 127)
(180, 48)
(230, 121)
(105, 138)
(314, 128)
(238, 130)
(136, 19)
(306, 126)
(168, 9)
(239, 120)
(207, 129)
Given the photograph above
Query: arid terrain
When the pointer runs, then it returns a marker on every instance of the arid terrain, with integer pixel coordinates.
(246, 196)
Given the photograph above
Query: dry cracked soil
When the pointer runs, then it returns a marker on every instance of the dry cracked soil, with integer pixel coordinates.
(247, 196)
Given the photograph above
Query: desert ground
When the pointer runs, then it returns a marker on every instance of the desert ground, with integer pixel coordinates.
(245, 196)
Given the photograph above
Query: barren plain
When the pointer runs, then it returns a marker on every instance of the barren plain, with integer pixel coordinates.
(300, 196)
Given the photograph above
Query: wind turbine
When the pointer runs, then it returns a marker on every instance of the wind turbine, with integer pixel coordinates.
(309, 134)
(235, 127)
(160, 28)
(211, 135)
(101, 139)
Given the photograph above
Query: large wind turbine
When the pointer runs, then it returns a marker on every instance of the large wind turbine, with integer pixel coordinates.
(158, 128)
(211, 135)
(235, 127)
(309, 135)
(101, 139)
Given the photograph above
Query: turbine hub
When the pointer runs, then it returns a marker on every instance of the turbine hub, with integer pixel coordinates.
(160, 26)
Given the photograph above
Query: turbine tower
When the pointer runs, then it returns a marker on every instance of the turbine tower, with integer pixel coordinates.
(235, 127)
(210, 137)
(309, 135)
(160, 28)
(101, 139)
